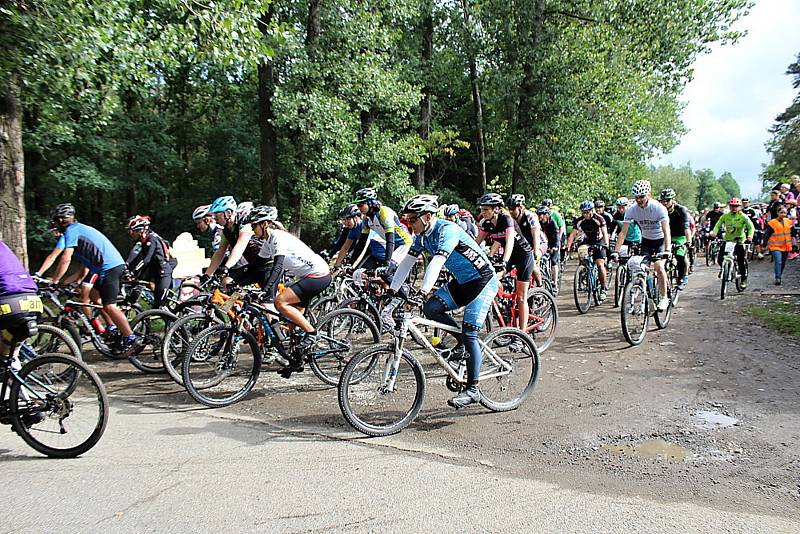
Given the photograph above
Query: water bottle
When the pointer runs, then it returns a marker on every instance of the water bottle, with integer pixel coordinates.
(98, 326)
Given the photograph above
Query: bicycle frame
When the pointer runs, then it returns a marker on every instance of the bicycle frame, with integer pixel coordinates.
(504, 297)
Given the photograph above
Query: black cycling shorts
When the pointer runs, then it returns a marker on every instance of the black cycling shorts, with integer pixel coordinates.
(524, 264)
(19, 320)
(107, 284)
(309, 287)
(651, 247)
(465, 293)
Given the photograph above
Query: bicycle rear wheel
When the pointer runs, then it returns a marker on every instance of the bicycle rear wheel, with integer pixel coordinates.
(580, 289)
(151, 326)
(366, 401)
(662, 318)
(50, 339)
(177, 339)
(509, 369)
(542, 318)
(59, 406)
(634, 314)
(341, 334)
(726, 273)
(221, 366)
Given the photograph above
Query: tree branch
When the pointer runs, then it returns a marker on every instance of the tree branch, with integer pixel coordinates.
(571, 15)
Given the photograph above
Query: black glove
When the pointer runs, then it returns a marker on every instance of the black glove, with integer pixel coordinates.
(663, 255)
(221, 272)
(204, 278)
(502, 266)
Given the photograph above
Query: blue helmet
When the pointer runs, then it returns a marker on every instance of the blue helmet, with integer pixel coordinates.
(451, 210)
(587, 205)
(222, 204)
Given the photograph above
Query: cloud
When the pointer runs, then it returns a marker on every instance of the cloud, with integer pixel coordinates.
(737, 92)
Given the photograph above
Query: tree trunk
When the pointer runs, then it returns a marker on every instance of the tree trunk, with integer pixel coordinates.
(128, 176)
(12, 172)
(269, 137)
(477, 105)
(425, 106)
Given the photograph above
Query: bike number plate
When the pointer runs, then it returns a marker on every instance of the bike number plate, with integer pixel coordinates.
(729, 247)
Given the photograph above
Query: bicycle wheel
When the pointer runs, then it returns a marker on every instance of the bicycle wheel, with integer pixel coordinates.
(177, 339)
(634, 314)
(323, 306)
(362, 305)
(739, 282)
(73, 410)
(368, 404)
(221, 366)
(662, 317)
(580, 289)
(619, 282)
(726, 273)
(151, 326)
(342, 334)
(542, 318)
(509, 369)
(53, 340)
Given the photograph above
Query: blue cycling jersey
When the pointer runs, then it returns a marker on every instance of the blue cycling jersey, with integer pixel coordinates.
(92, 248)
(466, 260)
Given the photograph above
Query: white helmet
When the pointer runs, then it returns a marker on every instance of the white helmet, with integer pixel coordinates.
(200, 212)
(422, 204)
(622, 201)
(640, 188)
(242, 211)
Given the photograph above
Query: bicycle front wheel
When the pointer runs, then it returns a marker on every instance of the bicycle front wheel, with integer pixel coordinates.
(374, 404)
(634, 314)
(619, 283)
(221, 366)
(581, 291)
(542, 318)
(726, 273)
(509, 369)
(341, 334)
(59, 406)
(50, 339)
(151, 326)
(177, 339)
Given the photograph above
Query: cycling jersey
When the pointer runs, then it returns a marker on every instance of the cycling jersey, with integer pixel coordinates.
(608, 218)
(465, 259)
(529, 221)
(13, 276)
(496, 232)
(383, 221)
(558, 218)
(552, 232)
(649, 219)
(634, 233)
(92, 249)
(231, 235)
(737, 226)
(590, 228)
(299, 260)
(679, 221)
(712, 217)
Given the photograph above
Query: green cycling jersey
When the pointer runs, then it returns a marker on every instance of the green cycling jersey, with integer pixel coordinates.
(737, 226)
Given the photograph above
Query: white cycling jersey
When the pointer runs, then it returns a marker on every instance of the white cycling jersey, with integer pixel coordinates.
(299, 260)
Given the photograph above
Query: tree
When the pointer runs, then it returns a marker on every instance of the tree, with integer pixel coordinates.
(681, 179)
(784, 146)
(729, 185)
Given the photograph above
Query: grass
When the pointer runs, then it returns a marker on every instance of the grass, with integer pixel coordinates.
(781, 316)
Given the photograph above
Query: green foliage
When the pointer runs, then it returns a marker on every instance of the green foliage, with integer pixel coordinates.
(785, 143)
(681, 179)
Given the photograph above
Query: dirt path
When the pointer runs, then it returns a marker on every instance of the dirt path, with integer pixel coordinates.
(604, 417)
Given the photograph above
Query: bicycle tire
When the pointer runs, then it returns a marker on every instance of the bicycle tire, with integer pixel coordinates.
(342, 333)
(361, 385)
(362, 305)
(738, 281)
(726, 272)
(544, 304)
(202, 381)
(580, 287)
(59, 407)
(630, 307)
(147, 357)
(522, 378)
(178, 338)
(663, 318)
(58, 342)
(619, 283)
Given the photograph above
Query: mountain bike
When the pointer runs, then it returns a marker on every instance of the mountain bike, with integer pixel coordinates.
(548, 280)
(586, 283)
(729, 271)
(640, 297)
(621, 272)
(382, 388)
(712, 250)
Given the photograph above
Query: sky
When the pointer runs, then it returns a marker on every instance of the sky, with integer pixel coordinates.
(737, 92)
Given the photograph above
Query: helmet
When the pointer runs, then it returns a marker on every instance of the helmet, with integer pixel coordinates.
(465, 213)
(734, 202)
(62, 210)
(422, 204)
(717, 205)
(365, 194)
(351, 210)
(490, 199)
(745, 199)
(222, 204)
(599, 203)
(667, 194)
(242, 211)
(640, 188)
(587, 205)
(622, 201)
(543, 210)
(451, 210)
(138, 222)
(516, 200)
(200, 212)
(547, 202)
(261, 214)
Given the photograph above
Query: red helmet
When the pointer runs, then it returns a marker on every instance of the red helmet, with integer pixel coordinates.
(734, 202)
(138, 222)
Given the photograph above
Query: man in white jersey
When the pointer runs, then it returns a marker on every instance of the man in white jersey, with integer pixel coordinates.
(289, 254)
(653, 219)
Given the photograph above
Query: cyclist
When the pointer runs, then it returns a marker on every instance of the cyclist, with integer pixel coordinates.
(634, 236)
(529, 226)
(594, 228)
(778, 238)
(209, 230)
(289, 254)
(503, 231)
(713, 216)
(375, 253)
(758, 223)
(150, 259)
(238, 252)
(736, 226)
(384, 222)
(450, 213)
(680, 230)
(473, 284)
(653, 220)
(600, 209)
(552, 232)
(561, 221)
(103, 267)
(466, 217)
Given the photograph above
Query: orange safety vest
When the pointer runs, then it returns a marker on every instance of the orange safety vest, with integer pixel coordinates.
(781, 239)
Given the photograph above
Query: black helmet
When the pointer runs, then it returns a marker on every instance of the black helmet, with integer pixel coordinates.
(62, 210)
(547, 202)
(491, 199)
(599, 203)
(667, 194)
(351, 210)
(543, 210)
(516, 200)
(717, 205)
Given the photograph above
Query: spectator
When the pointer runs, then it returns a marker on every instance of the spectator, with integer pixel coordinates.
(779, 236)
